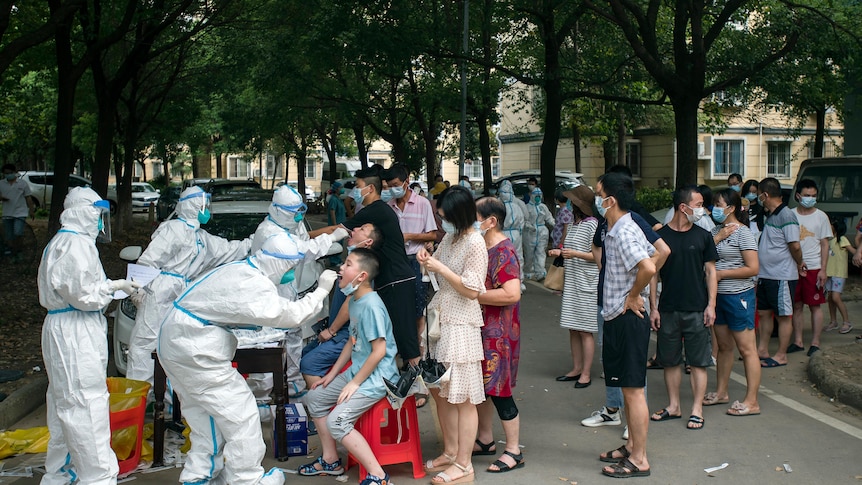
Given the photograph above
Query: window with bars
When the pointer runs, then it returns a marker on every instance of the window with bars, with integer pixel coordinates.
(536, 157)
(475, 171)
(237, 167)
(311, 169)
(778, 159)
(829, 149)
(728, 157)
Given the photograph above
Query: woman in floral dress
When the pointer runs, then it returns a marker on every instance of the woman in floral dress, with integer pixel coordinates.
(460, 265)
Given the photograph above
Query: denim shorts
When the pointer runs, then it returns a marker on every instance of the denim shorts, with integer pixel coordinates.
(736, 310)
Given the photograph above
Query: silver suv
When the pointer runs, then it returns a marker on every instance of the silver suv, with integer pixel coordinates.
(42, 185)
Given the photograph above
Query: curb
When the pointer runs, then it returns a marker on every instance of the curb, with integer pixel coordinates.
(823, 371)
(22, 402)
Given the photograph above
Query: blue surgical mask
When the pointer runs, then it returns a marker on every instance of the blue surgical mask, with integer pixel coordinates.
(807, 202)
(288, 277)
(736, 188)
(448, 227)
(751, 196)
(397, 192)
(351, 287)
(386, 195)
(204, 216)
(718, 215)
(599, 201)
(351, 247)
(538, 199)
(101, 225)
(356, 195)
(298, 217)
(11, 176)
(569, 204)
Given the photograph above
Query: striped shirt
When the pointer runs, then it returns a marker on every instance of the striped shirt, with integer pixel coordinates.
(625, 246)
(780, 229)
(730, 257)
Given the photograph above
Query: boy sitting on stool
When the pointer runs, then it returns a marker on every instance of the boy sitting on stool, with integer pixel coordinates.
(371, 349)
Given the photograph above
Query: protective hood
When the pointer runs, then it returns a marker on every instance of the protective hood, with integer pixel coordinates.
(536, 192)
(286, 202)
(278, 254)
(506, 193)
(192, 201)
(79, 212)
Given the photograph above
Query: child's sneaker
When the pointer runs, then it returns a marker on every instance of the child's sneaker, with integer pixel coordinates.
(846, 328)
(310, 470)
(373, 480)
(832, 326)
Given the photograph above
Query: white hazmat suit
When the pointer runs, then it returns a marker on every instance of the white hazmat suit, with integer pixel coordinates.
(285, 217)
(513, 226)
(182, 251)
(538, 219)
(75, 291)
(196, 347)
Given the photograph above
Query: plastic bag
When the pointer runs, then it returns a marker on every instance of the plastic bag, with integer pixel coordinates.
(126, 393)
(31, 440)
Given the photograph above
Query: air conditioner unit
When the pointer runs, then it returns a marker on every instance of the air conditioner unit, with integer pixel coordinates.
(700, 149)
(704, 148)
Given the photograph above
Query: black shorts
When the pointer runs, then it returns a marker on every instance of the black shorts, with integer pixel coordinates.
(680, 329)
(776, 295)
(398, 299)
(625, 350)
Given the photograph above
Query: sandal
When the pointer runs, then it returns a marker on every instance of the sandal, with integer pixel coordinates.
(503, 467)
(694, 421)
(311, 470)
(467, 477)
(375, 480)
(846, 328)
(653, 364)
(485, 449)
(711, 399)
(610, 458)
(431, 468)
(624, 469)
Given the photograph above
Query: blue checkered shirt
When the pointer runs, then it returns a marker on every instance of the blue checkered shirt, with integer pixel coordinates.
(625, 246)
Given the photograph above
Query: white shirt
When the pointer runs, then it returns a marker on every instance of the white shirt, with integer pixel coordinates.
(16, 192)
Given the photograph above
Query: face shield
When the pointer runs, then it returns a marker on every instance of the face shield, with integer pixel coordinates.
(104, 208)
(277, 257)
(201, 202)
(297, 212)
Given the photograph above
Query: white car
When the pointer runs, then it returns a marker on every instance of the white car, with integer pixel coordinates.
(234, 216)
(42, 185)
(143, 194)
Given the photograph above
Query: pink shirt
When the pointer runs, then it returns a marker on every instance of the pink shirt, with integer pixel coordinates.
(416, 218)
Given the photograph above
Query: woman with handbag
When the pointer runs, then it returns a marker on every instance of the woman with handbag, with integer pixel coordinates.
(501, 337)
(579, 308)
(460, 265)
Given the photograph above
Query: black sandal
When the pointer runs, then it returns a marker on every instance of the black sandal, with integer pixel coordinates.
(503, 467)
(624, 469)
(485, 449)
(653, 364)
(609, 458)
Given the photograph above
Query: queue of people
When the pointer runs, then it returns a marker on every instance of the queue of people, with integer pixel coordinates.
(614, 254)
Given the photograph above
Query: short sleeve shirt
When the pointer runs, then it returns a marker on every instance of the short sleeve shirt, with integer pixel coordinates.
(599, 237)
(813, 228)
(391, 253)
(16, 193)
(683, 279)
(625, 246)
(730, 257)
(779, 229)
(370, 321)
(416, 218)
(836, 265)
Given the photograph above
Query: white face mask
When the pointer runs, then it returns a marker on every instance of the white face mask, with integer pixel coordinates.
(696, 214)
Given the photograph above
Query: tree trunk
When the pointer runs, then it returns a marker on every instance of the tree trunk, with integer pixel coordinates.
(685, 118)
(621, 136)
(819, 131)
(66, 82)
(106, 101)
(485, 148)
(576, 145)
(359, 135)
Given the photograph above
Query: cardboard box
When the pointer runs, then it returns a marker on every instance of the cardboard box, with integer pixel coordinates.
(297, 430)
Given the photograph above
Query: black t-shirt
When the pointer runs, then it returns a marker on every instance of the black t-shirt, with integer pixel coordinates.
(394, 265)
(683, 281)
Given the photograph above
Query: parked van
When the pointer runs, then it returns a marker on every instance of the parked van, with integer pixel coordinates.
(42, 185)
(839, 187)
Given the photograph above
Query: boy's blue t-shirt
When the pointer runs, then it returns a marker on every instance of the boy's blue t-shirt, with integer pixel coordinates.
(369, 321)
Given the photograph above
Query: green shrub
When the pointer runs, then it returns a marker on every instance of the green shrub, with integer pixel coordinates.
(654, 199)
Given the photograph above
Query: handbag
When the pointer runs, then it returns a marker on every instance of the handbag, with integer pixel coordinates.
(432, 324)
(433, 373)
(555, 278)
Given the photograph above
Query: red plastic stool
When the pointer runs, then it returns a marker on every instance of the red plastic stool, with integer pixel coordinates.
(393, 436)
(126, 419)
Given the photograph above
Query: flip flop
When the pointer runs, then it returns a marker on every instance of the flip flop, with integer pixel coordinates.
(770, 362)
(694, 419)
(740, 409)
(664, 415)
(711, 399)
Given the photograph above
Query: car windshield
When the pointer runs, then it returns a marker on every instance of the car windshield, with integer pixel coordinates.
(218, 189)
(233, 226)
(143, 188)
(844, 185)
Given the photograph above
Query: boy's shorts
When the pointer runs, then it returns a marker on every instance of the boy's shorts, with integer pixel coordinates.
(680, 329)
(776, 295)
(736, 310)
(625, 350)
(807, 291)
(835, 283)
(341, 418)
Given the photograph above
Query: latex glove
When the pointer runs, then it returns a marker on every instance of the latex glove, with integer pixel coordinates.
(327, 280)
(138, 298)
(339, 234)
(126, 286)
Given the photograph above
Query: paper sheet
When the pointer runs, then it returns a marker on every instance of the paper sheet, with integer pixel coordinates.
(139, 274)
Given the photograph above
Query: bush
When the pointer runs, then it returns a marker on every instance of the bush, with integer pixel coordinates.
(159, 182)
(654, 199)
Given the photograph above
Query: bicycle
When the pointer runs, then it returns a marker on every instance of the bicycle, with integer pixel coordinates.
(22, 250)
